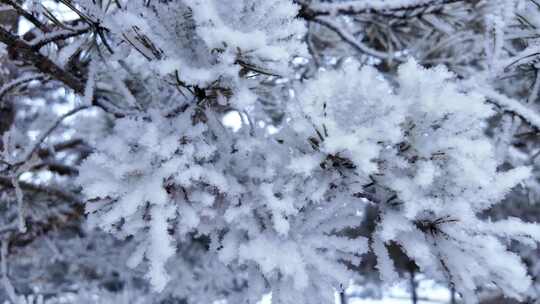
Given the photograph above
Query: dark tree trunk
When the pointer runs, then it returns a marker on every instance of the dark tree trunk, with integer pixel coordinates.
(10, 21)
(414, 295)
(342, 298)
(6, 119)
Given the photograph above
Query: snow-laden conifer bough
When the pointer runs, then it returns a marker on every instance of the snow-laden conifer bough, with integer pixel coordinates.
(275, 212)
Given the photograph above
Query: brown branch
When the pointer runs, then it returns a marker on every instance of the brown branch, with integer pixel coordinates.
(68, 144)
(23, 51)
(56, 167)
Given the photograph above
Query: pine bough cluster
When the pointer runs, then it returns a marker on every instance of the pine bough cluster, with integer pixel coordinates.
(273, 212)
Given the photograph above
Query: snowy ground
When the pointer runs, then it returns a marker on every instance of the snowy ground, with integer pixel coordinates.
(429, 292)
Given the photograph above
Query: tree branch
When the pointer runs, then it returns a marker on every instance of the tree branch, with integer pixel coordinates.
(50, 190)
(352, 41)
(62, 35)
(68, 144)
(23, 51)
(48, 132)
(6, 88)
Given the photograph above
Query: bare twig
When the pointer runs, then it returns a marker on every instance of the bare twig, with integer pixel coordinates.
(65, 145)
(50, 190)
(56, 167)
(48, 132)
(256, 69)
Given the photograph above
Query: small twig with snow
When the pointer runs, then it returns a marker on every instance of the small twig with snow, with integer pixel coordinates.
(6, 88)
(40, 42)
(356, 7)
(90, 86)
(352, 41)
(45, 65)
(20, 204)
(8, 287)
(513, 106)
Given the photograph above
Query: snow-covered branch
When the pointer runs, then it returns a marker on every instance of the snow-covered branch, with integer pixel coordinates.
(514, 106)
(381, 7)
(354, 42)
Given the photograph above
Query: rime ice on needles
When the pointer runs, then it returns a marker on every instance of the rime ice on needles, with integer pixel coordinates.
(443, 174)
(253, 31)
(212, 43)
(160, 179)
(276, 208)
(151, 178)
(353, 113)
(431, 168)
(279, 209)
(288, 224)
